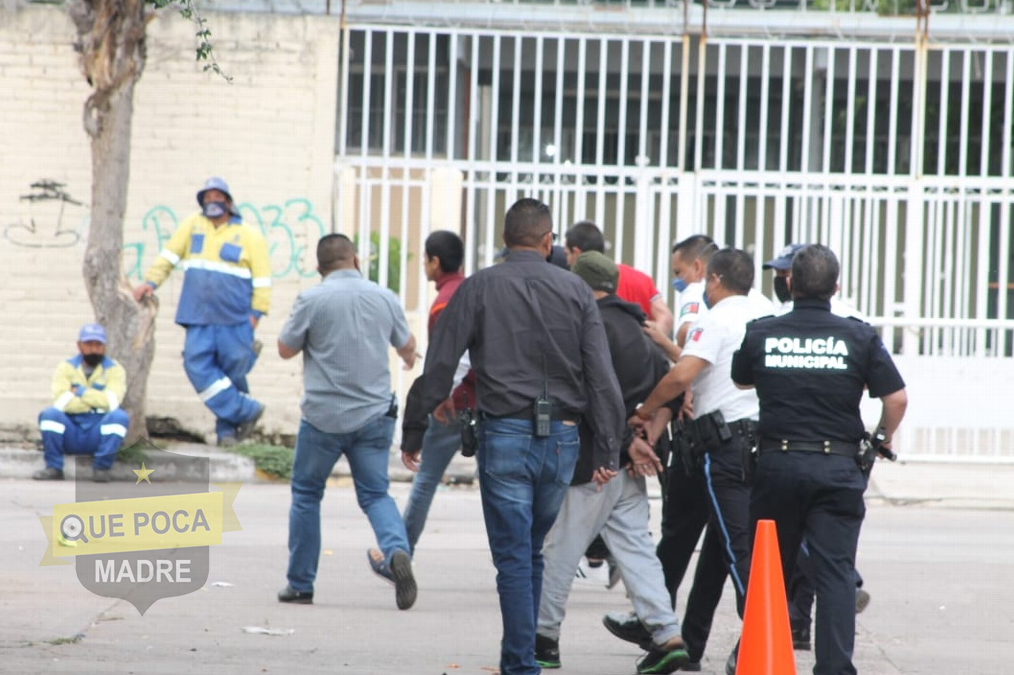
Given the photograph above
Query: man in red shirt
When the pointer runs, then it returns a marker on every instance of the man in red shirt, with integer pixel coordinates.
(634, 286)
(428, 447)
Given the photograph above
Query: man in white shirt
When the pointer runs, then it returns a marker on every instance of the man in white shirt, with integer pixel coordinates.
(713, 491)
(689, 261)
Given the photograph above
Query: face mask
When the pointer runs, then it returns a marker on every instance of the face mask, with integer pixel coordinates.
(782, 289)
(704, 299)
(214, 209)
(92, 359)
(679, 285)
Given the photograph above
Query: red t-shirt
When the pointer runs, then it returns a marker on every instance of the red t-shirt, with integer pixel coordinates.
(636, 287)
(446, 285)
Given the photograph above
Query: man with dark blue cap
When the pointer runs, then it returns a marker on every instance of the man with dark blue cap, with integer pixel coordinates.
(801, 590)
(85, 418)
(226, 291)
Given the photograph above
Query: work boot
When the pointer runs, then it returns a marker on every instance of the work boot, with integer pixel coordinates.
(244, 430)
(49, 473)
(100, 476)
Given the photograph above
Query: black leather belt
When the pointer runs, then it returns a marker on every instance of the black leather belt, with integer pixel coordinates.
(527, 415)
(824, 447)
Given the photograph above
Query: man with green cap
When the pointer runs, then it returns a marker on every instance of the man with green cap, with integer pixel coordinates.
(619, 510)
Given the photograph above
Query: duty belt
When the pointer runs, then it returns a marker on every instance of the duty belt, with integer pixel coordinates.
(824, 447)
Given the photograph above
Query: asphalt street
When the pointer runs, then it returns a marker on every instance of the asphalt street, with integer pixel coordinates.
(937, 554)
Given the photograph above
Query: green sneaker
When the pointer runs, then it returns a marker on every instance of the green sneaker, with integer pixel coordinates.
(547, 651)
(662, 660)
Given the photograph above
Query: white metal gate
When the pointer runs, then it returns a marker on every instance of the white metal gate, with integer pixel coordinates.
(896, 155)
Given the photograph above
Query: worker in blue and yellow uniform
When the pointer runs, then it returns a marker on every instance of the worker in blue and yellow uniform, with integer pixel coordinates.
(226, 290)
(85, 418)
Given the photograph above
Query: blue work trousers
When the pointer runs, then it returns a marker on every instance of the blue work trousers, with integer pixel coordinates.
(98, 434)
(522, 481)
(217, 360)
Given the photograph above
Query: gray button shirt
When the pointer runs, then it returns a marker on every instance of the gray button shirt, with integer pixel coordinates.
(344, 327)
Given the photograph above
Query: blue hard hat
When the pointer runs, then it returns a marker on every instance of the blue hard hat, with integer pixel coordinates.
(783, 261)
(214, 183)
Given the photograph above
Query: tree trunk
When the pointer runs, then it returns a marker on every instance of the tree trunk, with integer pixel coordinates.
(111, 36)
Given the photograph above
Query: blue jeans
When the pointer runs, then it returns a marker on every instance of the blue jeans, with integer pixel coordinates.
(368, 451)
(439, 444)
(523, 481)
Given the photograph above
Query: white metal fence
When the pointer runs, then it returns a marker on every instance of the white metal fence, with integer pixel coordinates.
(896, 155)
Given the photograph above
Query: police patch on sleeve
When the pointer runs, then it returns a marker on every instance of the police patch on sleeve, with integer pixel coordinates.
(805, 353)
(695, 335)
(690, 308)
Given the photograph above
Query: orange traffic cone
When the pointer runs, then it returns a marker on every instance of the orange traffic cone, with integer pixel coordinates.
(766, 644)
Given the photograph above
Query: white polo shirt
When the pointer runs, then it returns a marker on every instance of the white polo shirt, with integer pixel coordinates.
(692, 308)
(715, 338)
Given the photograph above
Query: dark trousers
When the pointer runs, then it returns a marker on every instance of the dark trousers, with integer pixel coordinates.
(819, 497)
(801, 590)
(715, 498)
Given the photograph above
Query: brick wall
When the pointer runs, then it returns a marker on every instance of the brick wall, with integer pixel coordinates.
(270, 134)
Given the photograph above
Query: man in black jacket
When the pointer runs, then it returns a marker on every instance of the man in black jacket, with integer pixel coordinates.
(619, 509)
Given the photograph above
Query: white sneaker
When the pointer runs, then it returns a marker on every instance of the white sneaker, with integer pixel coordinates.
(598, 576)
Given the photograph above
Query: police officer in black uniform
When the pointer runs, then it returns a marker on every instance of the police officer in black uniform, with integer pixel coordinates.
(810, 368)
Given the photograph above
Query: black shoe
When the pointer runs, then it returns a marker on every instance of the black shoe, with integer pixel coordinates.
(691, 667)
(244, 430)
(801, 639)
(405, 590)
(49, 473)
(730, 663)
(628, 627)
(100, 476)
(291, 595)
(547, 651)
(667, 659)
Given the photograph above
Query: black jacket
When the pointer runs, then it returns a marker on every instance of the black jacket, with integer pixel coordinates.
(639, 365)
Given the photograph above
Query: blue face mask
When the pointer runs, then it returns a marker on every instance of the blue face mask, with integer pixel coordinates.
(679, 285)
(704, 299)
(214, 209)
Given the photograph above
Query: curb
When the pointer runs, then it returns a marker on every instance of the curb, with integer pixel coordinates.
(223, 467)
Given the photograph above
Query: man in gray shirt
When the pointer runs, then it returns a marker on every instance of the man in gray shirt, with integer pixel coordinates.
(537, 344)
(343, 326)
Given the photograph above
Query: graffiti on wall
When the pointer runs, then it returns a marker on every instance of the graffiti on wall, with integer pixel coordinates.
(50, 208)
(288, 228)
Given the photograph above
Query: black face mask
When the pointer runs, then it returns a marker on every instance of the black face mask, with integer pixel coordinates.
(92, 359)
(782, 289)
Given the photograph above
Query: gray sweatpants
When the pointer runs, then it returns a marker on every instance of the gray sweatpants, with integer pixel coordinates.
(620, 512)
